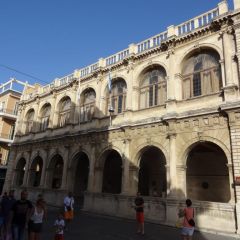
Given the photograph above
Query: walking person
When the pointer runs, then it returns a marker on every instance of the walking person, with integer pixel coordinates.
(36, 220)
(6, 206)
(139, 207)
(59, 225)
(68, 208)
(19, 216)
(188, 221)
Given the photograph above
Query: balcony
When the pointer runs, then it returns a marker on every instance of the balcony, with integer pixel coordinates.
(8, 113)
(6, 138)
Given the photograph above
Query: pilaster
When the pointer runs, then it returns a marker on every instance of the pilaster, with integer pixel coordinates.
(172, 164)
(65, 167)
(125, 173)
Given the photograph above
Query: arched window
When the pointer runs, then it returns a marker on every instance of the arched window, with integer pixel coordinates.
(29, 121)
(201, 74)
(87, 106)
(64, 111)
(45, 115)
(117, 97)
(153, 87)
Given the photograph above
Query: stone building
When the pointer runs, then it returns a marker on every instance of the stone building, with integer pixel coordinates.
(172, 131)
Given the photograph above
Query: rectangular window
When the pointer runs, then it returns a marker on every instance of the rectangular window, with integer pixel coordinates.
(150, 96)
(197, 90)
(15, 108)
(120, 102)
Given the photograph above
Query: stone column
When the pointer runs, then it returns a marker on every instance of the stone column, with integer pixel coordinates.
(181, 176)
(125, 168)
(223, 72)
(74, 105)
(54, 113)
(92, 160)
(43, 175)
(36, 125)
(133, 179)
(65, 167)
(172, 163)
(234, 125)
(27, 169)
(231, 180)
(170, 79)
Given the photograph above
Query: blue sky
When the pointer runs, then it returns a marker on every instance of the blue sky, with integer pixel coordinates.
(52, 38)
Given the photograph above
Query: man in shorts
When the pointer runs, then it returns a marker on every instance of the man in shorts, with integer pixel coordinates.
(139, 207)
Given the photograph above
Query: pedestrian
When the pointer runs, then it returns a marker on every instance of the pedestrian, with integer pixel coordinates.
(59, 226)
(188, 221)
(36, 220)
(139, 207)
(19, 216)
(6, 205)
(68, 208)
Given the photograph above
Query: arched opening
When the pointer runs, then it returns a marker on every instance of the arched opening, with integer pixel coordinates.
(55, 172)
(29, 121)
(201, 74)
(117, 97)
(153, 87)
(45, 115)
(35, 172)
(152, 173)
(80, 176)
(87, 107)
(64, 111)
(112, 173)
(20, 171)
(207, 173)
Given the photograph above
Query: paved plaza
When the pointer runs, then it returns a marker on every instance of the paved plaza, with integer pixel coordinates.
(88, 226)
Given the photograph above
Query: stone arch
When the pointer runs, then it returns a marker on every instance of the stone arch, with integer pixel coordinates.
(139, 150)
(207, 174)
(99, 163)
(190, 144)
(145, 66)
(20, 171)
(152, 175)
(194, 49)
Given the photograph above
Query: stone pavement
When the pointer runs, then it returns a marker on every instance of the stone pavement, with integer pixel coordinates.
(88, 226)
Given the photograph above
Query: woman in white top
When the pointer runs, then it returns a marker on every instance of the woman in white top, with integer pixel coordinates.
(36, 220)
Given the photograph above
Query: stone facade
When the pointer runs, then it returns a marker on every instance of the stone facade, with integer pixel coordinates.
(167, 127)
